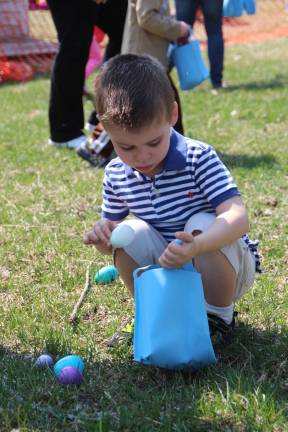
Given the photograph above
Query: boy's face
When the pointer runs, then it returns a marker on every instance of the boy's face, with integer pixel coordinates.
(144, 149)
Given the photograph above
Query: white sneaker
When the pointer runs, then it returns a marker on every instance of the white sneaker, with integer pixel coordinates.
(89, 127)
(71, 144)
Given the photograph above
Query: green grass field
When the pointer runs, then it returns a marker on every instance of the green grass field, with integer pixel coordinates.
(49, 198)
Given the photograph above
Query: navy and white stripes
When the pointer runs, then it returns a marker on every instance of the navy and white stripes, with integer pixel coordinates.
(193, 180)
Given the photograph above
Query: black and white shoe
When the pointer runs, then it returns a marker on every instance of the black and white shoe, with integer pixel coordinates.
(220, 331)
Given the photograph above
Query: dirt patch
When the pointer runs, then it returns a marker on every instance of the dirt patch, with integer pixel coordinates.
(269, 22)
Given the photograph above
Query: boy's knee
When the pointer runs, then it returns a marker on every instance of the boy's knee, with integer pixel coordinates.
(199, 222)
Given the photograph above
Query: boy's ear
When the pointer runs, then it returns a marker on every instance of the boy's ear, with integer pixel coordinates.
(174, 114)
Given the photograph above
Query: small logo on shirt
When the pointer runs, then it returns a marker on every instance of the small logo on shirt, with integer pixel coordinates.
(190, 194)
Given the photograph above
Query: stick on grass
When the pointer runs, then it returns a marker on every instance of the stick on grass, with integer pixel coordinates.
(81, 298)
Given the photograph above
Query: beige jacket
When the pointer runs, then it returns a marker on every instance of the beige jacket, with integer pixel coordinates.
(149, 28)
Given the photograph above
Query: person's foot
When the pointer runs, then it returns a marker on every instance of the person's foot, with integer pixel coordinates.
(122, 336)
(73, 144)
(218, 87)
(91, 156)
(89, 127)
(92, 149)
(220, 331)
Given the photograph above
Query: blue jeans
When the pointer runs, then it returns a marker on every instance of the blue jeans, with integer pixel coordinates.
(212, 12)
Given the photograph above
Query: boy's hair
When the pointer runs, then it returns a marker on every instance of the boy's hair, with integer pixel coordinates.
(133, 91)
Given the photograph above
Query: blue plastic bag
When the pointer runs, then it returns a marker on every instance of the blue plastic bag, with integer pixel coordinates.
(189, 63)
(250, 6)
(171, 326)
(233, 8)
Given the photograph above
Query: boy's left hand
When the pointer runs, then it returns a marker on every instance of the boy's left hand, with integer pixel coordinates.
(176, 255)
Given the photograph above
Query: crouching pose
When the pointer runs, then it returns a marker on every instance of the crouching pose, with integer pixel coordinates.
(174, 187)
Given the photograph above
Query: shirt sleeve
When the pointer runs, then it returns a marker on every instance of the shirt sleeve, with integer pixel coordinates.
(213, 178)
(112, 207)
(151, 18)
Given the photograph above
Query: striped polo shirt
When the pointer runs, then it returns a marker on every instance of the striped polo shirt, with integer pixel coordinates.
(193, 180)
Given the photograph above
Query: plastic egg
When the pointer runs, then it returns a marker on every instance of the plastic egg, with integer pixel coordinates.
(70, 375)
(106, 275)
(71, 360)
(122, 235)
(44, 360)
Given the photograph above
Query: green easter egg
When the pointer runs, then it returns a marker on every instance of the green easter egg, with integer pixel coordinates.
(106, 275)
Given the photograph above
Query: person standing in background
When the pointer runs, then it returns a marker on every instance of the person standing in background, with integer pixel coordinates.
(74, 21)
(149, 28)
(212, 11)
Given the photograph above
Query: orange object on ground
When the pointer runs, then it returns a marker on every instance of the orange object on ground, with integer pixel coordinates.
(15, 71)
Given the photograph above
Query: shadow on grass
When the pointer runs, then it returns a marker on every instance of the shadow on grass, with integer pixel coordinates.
(278, 82)
(248, 161)
(118, 394)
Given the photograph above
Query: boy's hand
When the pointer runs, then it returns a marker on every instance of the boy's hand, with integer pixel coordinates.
(100, 233)
(176, 255)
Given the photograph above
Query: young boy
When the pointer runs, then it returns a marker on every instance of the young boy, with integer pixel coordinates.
(175, 187)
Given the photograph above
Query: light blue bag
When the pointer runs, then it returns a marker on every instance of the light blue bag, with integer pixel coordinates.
(233, 8)
(250, 6)
(189, 63)
(171, 326)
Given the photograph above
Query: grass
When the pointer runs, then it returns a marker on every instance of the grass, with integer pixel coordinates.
(49, 198)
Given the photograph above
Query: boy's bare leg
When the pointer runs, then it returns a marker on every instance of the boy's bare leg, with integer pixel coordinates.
(218, 277)
(126, 265)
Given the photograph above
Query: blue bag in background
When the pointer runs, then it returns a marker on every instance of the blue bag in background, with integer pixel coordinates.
(250, 6)
(233, 8)
(189, 63)
(171, 327)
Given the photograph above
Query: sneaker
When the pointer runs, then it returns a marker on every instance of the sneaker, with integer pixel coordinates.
(220, 331)
(88, 155)
(122, 336)
(73, 144)
(89, 127)
(93, 150)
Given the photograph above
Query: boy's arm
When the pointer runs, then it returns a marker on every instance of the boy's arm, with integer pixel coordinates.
(150, 18)
(230, 224)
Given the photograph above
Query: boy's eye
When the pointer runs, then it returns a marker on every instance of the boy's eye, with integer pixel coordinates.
(127, 148)
(154, 144)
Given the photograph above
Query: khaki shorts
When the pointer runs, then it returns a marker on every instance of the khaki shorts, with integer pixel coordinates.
(148, 245)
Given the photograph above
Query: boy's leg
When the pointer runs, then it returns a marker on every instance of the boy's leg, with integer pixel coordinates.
(218, 277)
(227, 274)
(125, 266)
(144, 250)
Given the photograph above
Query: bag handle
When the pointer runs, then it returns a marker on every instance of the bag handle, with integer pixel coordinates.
(138, 271)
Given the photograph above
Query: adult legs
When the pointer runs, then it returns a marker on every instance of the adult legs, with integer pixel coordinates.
(186, 10)
(213, 12)
(74, 25)
(111, 19)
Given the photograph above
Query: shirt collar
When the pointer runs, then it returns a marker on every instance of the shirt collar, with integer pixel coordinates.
(176, 156)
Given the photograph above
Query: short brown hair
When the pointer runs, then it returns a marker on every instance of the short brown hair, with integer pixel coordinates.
(132, 91)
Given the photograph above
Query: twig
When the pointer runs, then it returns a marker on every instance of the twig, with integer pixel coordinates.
(81, 298)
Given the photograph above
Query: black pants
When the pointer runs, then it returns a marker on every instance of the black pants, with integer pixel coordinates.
(74, 21)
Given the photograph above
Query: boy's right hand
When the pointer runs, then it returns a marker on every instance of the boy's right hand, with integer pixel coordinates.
(100, 233)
